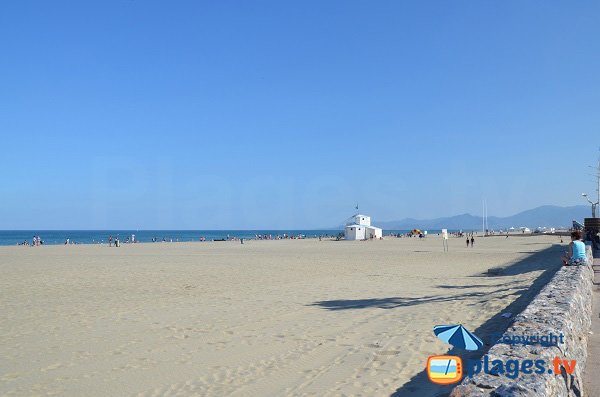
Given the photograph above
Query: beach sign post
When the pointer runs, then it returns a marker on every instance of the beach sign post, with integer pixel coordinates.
(445, 239)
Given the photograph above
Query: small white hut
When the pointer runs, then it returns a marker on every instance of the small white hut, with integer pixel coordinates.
(359, 228)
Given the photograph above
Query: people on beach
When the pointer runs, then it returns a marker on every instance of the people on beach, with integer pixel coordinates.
(576, 254)
(468, 242)
(110, 240)
(472, 241)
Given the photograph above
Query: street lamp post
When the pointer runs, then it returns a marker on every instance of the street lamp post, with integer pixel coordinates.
(592, 203)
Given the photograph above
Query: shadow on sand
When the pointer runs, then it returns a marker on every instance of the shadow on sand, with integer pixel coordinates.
(547, 260)
(419, 384)
(398, 301)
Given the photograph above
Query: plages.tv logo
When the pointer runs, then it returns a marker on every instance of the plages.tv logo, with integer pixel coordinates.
(513, 368)
(446, 369)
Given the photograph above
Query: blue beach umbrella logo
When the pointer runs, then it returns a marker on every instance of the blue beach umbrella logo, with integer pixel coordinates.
(458, 336)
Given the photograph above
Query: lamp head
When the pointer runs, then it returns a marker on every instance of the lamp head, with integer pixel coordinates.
(584, 194)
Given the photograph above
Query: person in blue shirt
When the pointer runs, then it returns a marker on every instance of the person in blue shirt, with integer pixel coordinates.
(576, 254)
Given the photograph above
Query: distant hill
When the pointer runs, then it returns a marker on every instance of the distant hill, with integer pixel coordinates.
(544, 216)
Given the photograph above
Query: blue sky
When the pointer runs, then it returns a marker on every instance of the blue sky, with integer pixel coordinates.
(203, 115)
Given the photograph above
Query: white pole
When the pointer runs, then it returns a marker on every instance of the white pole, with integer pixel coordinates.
(598, 178)
(483, 226)
(487, 225)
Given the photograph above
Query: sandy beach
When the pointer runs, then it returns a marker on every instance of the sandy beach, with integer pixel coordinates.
(267, 318)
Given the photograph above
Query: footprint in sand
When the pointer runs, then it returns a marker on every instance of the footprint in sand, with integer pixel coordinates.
(9, 377)
(388, 353)
(52, 367)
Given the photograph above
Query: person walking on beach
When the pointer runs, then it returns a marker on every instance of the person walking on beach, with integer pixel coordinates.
(110, 241)
(472, 242)
(467, 242)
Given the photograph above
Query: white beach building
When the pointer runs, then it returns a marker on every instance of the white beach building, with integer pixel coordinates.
(359, 228)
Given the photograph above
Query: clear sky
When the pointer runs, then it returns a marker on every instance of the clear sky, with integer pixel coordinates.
(285, 114)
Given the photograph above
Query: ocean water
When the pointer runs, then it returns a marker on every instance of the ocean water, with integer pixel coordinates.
(14, 237)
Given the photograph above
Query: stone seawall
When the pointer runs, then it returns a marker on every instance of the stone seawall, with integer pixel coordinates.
(564, 306)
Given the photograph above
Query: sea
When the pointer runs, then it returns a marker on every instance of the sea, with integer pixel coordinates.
(15, 237)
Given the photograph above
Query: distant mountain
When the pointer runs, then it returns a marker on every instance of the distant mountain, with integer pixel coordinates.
(544, 216)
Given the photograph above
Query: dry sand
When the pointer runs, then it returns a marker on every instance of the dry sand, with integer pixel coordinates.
(267, 318)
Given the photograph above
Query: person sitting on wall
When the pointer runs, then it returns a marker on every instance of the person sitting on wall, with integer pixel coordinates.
(576, 254)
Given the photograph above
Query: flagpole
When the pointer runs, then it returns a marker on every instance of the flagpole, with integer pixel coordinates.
(483, 219)
(487, 225)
